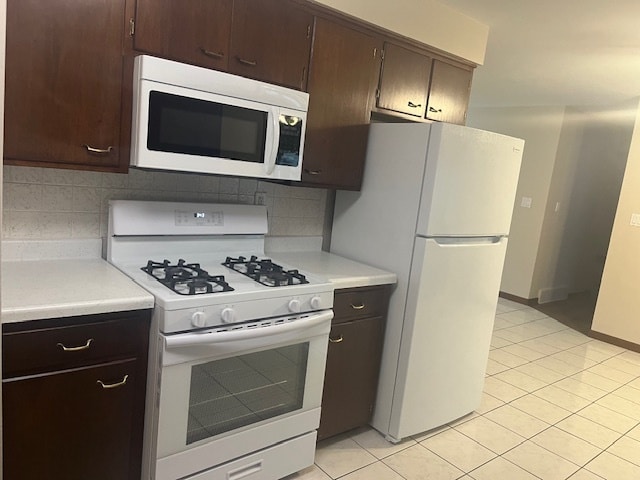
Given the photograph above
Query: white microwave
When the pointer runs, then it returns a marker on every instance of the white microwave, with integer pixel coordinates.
(192, 119)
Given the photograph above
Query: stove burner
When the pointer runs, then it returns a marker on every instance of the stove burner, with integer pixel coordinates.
(264, 271)
(186, 278)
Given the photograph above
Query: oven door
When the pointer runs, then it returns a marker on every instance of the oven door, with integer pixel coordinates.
(225, 394)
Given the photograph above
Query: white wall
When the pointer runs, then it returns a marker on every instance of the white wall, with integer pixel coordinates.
(617, 309)
(3, 21)
(540, 128)
(424, 20)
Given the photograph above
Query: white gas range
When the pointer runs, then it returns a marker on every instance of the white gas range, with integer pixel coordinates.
(238, 341)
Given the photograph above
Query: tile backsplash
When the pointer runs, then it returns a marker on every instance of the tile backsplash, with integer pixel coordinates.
(48, 203)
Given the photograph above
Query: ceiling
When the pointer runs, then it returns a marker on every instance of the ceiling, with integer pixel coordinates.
(556, 52)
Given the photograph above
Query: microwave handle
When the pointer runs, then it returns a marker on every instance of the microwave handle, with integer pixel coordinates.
(211, 338)
(275, 143)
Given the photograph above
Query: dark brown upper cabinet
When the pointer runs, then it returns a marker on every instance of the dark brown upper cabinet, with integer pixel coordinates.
(64, 83)
(190, 31)
(269, 40)
(449, 93)
(342, 84)
(404, 81)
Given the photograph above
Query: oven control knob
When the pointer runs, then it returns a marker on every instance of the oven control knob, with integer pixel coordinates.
(198, 319)
(294, 305)
(316, 303)
(228, 315)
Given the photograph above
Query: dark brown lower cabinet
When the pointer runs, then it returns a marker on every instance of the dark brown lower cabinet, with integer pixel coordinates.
(353, 359)
(76, 422)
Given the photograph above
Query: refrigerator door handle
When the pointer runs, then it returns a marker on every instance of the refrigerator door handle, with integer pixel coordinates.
(444, 241)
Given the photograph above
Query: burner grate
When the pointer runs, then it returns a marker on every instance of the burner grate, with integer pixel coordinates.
(264, 271)
(186, 278)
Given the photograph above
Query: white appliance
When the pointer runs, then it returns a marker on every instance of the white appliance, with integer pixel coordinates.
(435, 208)
(192, 119)
(238, 342)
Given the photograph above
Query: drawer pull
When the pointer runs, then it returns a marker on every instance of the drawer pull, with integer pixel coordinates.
(357, 307)
(336, 340)
(209, 53)
(113, 385)
(75, 349)
(414, 105)
(435, 110)
(100, 151)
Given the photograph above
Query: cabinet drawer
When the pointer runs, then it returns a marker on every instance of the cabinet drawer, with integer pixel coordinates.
(54, 348)
(360, 302)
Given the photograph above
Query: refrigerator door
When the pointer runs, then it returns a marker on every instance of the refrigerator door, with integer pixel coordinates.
(451, 306)
(470, 182)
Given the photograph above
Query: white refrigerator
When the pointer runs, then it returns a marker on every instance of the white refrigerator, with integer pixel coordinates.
(435, 208)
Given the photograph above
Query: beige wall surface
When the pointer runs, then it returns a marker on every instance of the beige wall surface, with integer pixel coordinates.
(424, 20)
(616, 310)
(3, 20)
(540, 128)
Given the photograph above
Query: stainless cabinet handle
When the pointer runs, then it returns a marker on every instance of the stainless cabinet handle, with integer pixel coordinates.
(101, 151)
(431, 109)
(414, 105)
(75, 349)
(357, 307)
(113, 385)
(248, 63)
(312, 172)
(209, 53)
(336, 340)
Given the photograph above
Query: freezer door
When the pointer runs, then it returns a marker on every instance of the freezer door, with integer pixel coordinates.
(451, 305)
(470, 182)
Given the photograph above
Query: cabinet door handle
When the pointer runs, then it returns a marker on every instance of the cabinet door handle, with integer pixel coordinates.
(312, 172)
(336, 340)
(75, 349)
(357, 307)
(248, 63)
(101, 151)
(434, 110)
(113, 385)
(414, 105)
(209, 53)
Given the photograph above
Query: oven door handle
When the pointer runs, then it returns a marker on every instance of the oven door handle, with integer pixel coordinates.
(211, 338)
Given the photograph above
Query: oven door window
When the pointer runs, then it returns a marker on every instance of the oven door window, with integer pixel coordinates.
(235, 392)
(179, 124)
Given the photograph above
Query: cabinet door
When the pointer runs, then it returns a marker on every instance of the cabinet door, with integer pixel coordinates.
(342, 83)
(64, 69)
(449, 93)
(351, 376)
(190, 31)
(271, 41)
(67, 425)
(404, 81)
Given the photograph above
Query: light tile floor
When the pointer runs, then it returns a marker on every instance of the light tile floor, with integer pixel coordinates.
(556, 405)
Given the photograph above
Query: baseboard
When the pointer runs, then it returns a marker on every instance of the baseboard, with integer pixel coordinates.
(514, 298)
(618, 342)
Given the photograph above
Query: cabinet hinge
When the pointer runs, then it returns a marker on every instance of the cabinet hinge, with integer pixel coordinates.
(132, 27)
(382, 54)
(377, 94)
(308, 31)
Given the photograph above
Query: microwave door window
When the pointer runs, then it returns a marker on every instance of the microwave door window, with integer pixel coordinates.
(186, 125)
(289, 147)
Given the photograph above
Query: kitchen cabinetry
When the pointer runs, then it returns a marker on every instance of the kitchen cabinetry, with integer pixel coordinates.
(404, 81)
(73, 395)
(269, 40)
(64, 80)
(353, 359)
(342, 84)
(449, 93)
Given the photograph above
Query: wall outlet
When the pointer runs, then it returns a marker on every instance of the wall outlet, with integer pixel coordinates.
(635, 220)
(526, 202)
(260, 198)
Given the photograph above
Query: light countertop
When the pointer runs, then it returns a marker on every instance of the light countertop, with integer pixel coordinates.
(38, 289)
(342, 272)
